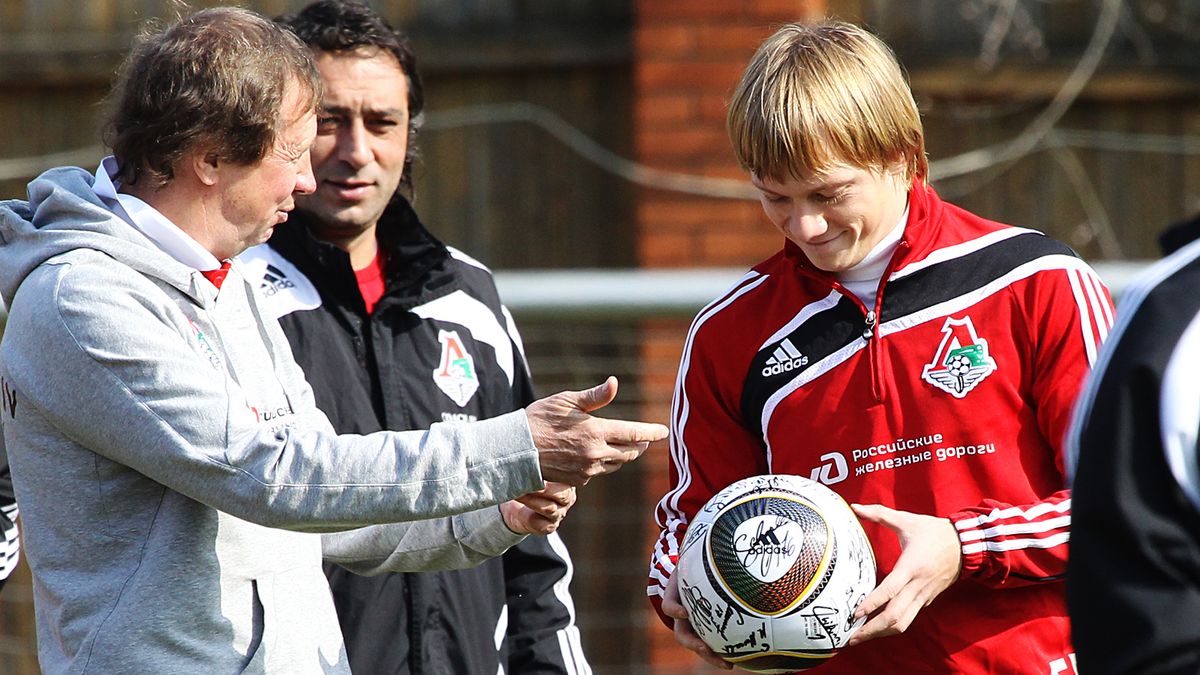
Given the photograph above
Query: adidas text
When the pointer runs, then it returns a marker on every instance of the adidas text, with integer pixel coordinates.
(786, 366)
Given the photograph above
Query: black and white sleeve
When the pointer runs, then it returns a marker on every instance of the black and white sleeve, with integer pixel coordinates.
(9, 540)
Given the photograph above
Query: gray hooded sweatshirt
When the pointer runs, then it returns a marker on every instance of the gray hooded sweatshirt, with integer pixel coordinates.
(174, 475)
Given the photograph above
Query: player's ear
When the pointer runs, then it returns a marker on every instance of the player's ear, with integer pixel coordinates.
(896, 168)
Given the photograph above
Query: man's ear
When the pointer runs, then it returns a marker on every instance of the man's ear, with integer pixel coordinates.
(204, 163)
(897, 169)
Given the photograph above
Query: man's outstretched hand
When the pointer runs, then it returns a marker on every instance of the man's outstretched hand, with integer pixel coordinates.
(575, 447)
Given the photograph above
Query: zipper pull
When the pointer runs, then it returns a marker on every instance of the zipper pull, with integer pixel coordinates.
(869, 330)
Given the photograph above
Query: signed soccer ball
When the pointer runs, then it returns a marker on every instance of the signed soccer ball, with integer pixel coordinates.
(771, 571)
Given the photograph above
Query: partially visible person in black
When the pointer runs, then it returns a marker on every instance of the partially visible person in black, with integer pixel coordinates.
(10, 546)
(1177, 235)
(395, 330)
(10, 543)
(1133, 579)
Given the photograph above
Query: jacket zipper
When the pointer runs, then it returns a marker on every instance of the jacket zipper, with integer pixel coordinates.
(870, 317)
(871, 329)
(870, 326)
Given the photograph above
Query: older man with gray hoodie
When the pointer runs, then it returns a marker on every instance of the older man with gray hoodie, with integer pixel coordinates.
(177, 484)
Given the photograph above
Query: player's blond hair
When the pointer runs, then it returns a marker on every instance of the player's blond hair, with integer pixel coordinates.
(816, 95)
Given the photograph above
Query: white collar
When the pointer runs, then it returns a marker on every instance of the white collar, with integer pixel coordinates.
(147, 220)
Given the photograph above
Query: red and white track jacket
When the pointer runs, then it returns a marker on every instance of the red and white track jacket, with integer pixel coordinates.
(950, 397)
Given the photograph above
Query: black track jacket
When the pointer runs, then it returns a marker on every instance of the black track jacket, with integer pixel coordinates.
(439, 346)
(1133, 577)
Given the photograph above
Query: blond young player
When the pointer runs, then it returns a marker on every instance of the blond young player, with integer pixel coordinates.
(920, 360)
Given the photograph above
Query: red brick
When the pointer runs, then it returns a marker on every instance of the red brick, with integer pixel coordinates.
(753, 223)
(728, 170)
(655, 484)
(660, 384)
(714, 103)
(735, 41)
(661, 347)
(665, 110)
(661, 388)
(718, 162)
(662, 374)
(666, 250)
(656, 216)
(664, 39)
(678, 11)
(790, 10)
(663, 357)
(723, 164)
(734, 249)
(696, 215)
(689, 140)
(667, 328)
(658, 75)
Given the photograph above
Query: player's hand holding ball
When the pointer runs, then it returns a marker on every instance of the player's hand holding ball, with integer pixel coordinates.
(930, 560)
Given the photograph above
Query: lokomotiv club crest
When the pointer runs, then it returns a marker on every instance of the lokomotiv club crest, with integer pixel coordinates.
(962, 360)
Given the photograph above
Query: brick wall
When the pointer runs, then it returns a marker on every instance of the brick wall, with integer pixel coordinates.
(688, 56)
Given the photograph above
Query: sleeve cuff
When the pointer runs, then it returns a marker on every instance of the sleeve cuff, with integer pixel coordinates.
(973, 554)
(487, 532)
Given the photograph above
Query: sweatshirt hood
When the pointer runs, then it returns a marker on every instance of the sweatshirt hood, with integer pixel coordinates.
(63, 214)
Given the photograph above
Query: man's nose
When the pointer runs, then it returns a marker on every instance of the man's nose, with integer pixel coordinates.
(353, 145)
(806, 223)
(306, 183)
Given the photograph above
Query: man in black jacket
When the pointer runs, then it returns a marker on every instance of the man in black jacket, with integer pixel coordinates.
(395, 330)
(1133, 578)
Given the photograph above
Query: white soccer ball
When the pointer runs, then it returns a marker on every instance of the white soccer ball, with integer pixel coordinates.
(771, 570)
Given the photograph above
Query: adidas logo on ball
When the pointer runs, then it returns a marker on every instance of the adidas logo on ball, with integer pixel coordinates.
(770, 546)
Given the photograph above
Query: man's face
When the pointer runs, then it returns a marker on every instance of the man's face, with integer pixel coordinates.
(256, 198)
(362, 139)
(838, 216)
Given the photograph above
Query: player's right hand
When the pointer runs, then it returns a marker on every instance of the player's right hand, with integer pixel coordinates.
(575, 447)
(930, 561)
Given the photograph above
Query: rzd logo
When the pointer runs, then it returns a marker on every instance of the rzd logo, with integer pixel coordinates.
(455, 375)
(962, 359)
(834, 470)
